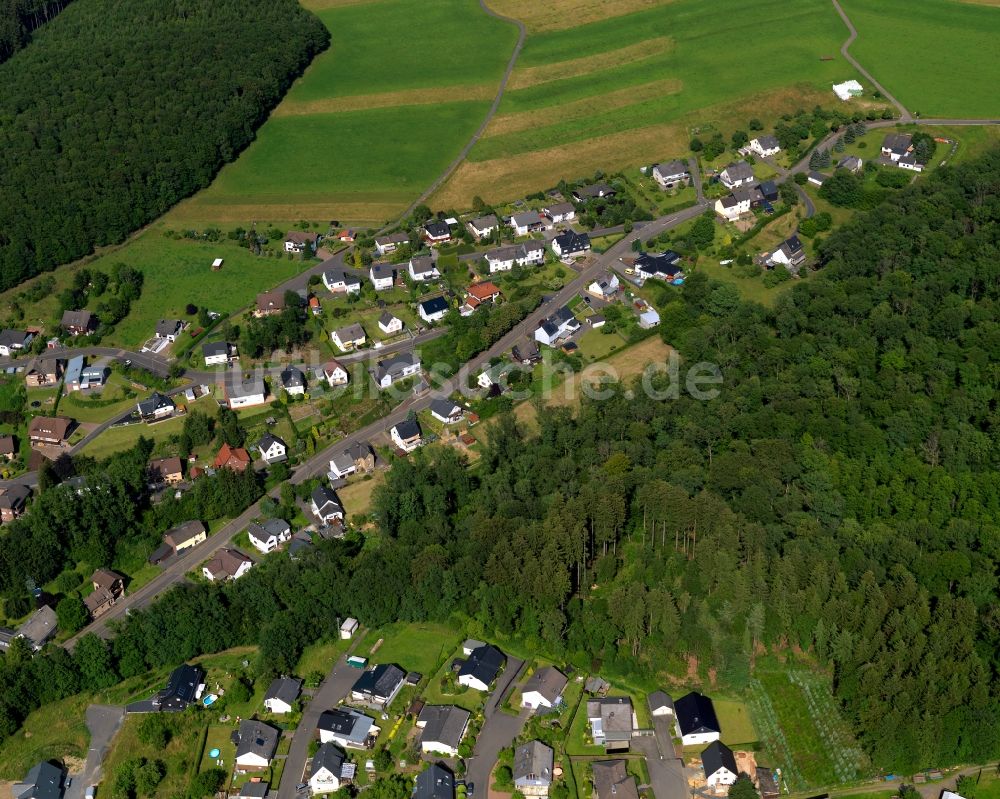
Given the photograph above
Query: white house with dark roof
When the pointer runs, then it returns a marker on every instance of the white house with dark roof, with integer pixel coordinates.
(897, 145)
(379, 686)
(350, 337)
(442, 729)
(293, 380)
(765, 146)
(300, 241)
(422, 267)
(571, 244)
(282, 694)
(593, 192)
(739, 202)
(532, 769)
(446, 411)
(719, 763)
(395, 368)
(605, 286)
(387, 244)
(790, 253)
(389, 323)
(406, 435)
(696, 720)
(559, 325)
(218, 353)
(559, 212)
(433, 310)
(257, 744)
(341, 281)
(544, 688)
(326, 769)
(736, 175)
(672, 174)
(272, 449)
(481, 667)
(325, 505)
(503, 259)
(611, 722)
(437, 231)
(269, 534)
(526, 222)
(484, 226)
(382, 276)
(660, 704)
(346, 727)
(169, 329)
(14, 341)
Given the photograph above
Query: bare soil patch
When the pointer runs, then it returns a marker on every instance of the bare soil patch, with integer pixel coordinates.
(362, 102)
(560, 14)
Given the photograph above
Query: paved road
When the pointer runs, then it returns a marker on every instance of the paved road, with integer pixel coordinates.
(666, 770)
(333, 689)
(905, 115)
(103, 722)
(498, 731)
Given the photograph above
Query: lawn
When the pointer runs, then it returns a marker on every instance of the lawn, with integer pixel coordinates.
(56, 730)
(116, 439)
(415, 646)
(117, 396)
(320, 657)
(357, 496)
(180, 756)
(734, 719)
(374, 120)
(595, 344)
(938, 57)
(751, 288)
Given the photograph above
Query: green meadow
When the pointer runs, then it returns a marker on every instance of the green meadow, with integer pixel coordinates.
(938, 57)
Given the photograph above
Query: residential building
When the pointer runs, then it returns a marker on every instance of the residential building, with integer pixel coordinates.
(254, 788)
(282, 694)
(481, 667)
(78, 323)
(816, 178)
(433, 310)
(348, 628)
(39, 628)
(382, 276)
(166, 471)
(13, 342)
(169, 329)
(357, 457)
(593, 192)
(334, 373)
(157, 406)
(768, 191)
(765, 146)
(350, 337)
(526, 352)
(544, 688)
(390, 324)
(791, 253)
(74, 371)
(341, 281)
(108, 587)
(720, 765)
(446, 411)
(244, 395)
(387, 244)
(738, 203)
(269, 534)
(611, 722)
(570, 244)
(8, 448)
(696, 720)
(559, 212)
(347, 728)
(293, 380)
(44, 780)
(484, 226)
(49, 429)
(45, 372)
(660, 704)
(851, 163)
(235, 458)
(270, 303)
(478, 293)
(559, 325)
(659, 266)
(272, 449)
(503, 259)
(13, 502)
(848, 89)
(612, 780)
(379, 686)
(494, 375)
(897, 145)
(736, 175)
(184, 686)
(524, 223)
(326, 770)
(347, 236)
(672, 175)
(434, 782)
(185, 536)
(218, 353)
(395, 368)
(437, 232)
(909, 161)
(227, 564)
(422, 267)
(532, 769)
(605, 287)
(442, 729)
(325, 505)
(406, 435)
(256, 745)
(299, 241)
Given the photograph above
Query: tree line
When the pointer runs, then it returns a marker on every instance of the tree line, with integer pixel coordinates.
(118, 112)
(18, 18)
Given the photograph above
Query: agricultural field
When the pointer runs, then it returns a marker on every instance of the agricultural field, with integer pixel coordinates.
(938, 57)
(374, 120)
(637, 93)
(801, 729)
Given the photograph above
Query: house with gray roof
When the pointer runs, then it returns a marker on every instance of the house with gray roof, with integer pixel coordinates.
(612, 780)
(282, 694)
(346, 727)
(269, 534)
(43, 781)
(327, 769)
(611, 722)
(765, 146)
(533, 768)
(435, 782)
(256, 743)
(671, 174)
(379, 686)
(544, 688)
(395, 368)
(660, 704)
(736, 175)
(442, 728)
(169, 329)
(483, 226)
(39, 628)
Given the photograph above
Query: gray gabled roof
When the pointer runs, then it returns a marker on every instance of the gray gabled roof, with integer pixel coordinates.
(257, 738)
(40, 626)
(716, 756)
(155, 402)
(268, 439)
(168, 327)
(671, 168)
(408, 428)
(612, 780)
(43, 781)
(352, 332)
(329, 757)
(740, 170)
(341, 275)
(326, 499)
(548, 681)
(395, 364)
(10, 338)
(483, 222)
(443, 724)
(767, 142)
(571, 241)
(380, 681)
(444, 407)
(215, 348)
(292, 376)
(532, 764)
(437, 782)
(253, 790)
(287, 689)
(659, 699)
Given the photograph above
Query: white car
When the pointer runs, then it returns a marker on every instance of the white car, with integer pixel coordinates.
(91, 790)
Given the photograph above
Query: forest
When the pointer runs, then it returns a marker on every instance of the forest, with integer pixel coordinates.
(115, 112)
(840, 496)
(18, 18)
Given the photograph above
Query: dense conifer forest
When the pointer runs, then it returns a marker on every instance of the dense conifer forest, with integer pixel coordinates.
(115, 111)
(18, 18)
(840, 497)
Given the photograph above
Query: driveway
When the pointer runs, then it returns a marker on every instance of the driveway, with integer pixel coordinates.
(334, 688)
(103, 722)
(498, 732)
(666, 771)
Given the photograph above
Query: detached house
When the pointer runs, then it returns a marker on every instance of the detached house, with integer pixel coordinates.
(358, 457)
(228, 564)
(325, 505)
(379, 686)
(696, 720)
(736, 175)
(270, 303)
(382, 276)
(720, 765)
(299, 241)
(341, 281)
(43, 781)
(293, 380)
(765, 146)
(532, 769)
(49, 429)
(282, 694)
(605, 287)
(524, 223)
(333, 373)
(184, 686)
(740, 202)
(790, 253)
(109, 587)
(672, 175)
(78, 323)
(422, 267)
(387, 244)
(897, 145)
(347, 728)
(662, 266)
(166, 471)
(14, 341)
(326, 770)
(433, 310)
(272, 449)
(350, 337)
(544, 688)
(437, 232)
(235, 458)
(484, 226)
(218, 353)
(13, 502)
(559, 212)
(446, 411)
(256, 745)
(442, 729)
(169, 329)
(611, 722)
(39, 628)
(244, 395)
(45, 372)
(571, 244)
(435, 782)
(269, 534)
(593, 192)
(390, 324)
(503, 259)
(184, 536)
(395, 368)
(612, 780)
(478, 293)
(406, 435)
(661, 704)
(481, 667)
(561, 324)
(851, 163)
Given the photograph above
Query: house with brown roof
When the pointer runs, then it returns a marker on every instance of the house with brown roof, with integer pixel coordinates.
(478, 293)
(185, 536)
(78, 323)
(269, 303)
(8, 447)
(165, 471)
(235, 458)
(109, 586)
(299, 241)
(45, 372)
(13, 502)
(612, 780)
(49, 429)
(228, 564)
